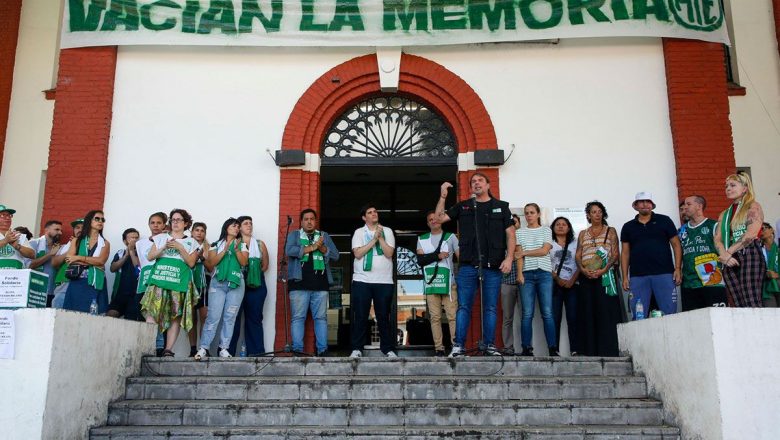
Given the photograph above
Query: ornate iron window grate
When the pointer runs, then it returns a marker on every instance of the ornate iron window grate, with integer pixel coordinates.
(390, 127)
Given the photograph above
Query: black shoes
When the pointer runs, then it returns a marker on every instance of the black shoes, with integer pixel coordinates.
(527, 351)
(554, 352)
(440, 353)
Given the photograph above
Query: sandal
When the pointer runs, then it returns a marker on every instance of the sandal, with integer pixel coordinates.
(168, 353)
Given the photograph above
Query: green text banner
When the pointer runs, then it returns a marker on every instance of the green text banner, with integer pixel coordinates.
(381, 22)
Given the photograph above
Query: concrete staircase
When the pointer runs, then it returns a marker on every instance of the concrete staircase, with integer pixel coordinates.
(404, 398)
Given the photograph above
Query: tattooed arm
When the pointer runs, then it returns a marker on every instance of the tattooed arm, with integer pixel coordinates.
(755, 217)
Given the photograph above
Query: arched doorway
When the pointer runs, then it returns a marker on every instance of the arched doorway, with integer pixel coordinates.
(357, 81)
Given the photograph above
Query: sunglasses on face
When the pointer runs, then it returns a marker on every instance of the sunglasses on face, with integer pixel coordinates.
(99, 219)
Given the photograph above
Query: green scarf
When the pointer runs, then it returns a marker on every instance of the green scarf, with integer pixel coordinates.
(608, 279)
(725, 225)
(368, 259)
(771, 286)
(229, 268)
(96, 277)
(60, 277)
(318, 260)
(199, 276)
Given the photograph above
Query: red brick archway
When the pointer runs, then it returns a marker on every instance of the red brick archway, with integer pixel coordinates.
(330, 95)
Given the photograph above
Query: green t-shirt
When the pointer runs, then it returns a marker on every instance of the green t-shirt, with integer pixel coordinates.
(700, 258)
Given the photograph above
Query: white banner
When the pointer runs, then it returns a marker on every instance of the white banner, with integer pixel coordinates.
(381, 22)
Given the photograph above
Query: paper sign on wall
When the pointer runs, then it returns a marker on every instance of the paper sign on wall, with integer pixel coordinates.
(7, 334)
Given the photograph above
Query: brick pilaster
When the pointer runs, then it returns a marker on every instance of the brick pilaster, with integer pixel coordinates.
(699, 117)
(10, 14)
(78, 154)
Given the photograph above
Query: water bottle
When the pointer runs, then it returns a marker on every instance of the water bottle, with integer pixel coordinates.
(639, 310)
(242, 353)
(93, 308)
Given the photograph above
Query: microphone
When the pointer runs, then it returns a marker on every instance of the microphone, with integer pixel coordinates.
(474, 200)
(289, 220)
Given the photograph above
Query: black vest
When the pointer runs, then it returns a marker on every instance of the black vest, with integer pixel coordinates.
(492, 224)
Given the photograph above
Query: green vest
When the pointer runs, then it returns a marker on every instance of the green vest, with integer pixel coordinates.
(700, 258)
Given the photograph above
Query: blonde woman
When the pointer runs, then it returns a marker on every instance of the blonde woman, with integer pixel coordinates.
(737, 239)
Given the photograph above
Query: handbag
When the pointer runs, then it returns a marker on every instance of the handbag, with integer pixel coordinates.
(75, 271)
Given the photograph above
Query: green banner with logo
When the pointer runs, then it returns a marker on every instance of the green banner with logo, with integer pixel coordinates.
(381, 22)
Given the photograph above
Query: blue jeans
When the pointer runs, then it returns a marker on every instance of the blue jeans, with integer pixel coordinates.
(252, 311)
(300, 303)
(468, 281)
(538, 284)
(660, 286)
(224, 303)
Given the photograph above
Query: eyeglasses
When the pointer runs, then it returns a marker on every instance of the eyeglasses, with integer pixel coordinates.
(177, 220)
(6, 215)
(99, 219)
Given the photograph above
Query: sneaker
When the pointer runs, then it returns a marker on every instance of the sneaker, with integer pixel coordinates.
(323, 354)
(554, 352)
(457, 350)
(440, 353)
(201, 354)
(223, 353)
(574, 353)
(159, 352)
(356, 354)
(391, 354)
(491, 350)
(527, 351)
(193, 350)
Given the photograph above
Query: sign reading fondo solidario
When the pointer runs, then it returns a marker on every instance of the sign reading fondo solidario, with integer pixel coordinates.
(381, 22)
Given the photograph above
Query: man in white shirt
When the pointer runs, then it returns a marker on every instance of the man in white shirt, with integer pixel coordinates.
(372, 280)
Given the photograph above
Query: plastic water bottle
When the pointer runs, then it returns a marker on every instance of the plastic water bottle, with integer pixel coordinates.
(639, 310)
(242, 353)
(93, 308)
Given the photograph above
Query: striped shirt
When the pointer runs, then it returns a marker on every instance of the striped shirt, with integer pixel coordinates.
(531, 239)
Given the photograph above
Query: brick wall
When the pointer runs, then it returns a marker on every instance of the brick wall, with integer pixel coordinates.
(699, 117)
(10, 12)
(78, 153)
(346, 84)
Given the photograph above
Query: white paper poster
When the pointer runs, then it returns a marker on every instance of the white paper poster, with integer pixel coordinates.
(575, 215)
(7, 334)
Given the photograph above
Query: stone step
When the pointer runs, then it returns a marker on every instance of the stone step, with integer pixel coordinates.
(385, 387)
(471, 366)
(473, 432)
(386, 412)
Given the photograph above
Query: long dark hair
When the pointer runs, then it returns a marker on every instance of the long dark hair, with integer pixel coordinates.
(225, 226)
(569, 233)
(87, 230)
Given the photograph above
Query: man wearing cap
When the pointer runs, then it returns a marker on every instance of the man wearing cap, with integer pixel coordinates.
(14, 247)
(647, 264)
(58, 262)
(46, 247)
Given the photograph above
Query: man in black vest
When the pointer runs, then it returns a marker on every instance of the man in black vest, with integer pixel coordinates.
(487, 236)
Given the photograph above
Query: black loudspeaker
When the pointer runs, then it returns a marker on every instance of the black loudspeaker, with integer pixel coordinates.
(290, 158)
(489, 158)
(419, 331)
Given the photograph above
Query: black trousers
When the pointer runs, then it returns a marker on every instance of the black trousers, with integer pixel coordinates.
(360, 300)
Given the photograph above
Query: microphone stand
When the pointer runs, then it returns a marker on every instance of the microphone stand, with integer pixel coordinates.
(481, 348)
(288, 348)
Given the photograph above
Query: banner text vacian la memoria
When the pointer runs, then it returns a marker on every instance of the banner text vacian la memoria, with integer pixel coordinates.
(381, 22)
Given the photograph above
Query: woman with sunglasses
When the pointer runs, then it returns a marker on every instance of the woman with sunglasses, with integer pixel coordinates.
(171, 295)
(226, 258)
(86, 261)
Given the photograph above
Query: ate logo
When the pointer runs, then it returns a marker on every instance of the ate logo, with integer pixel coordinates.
(171, 252)
(7, 251)
(699, 15)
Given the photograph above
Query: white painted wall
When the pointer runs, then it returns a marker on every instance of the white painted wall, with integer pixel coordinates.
(26, 152)
(67, 368)
(24, 378)
(191, 127)
(715, 370)
(755, 117)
